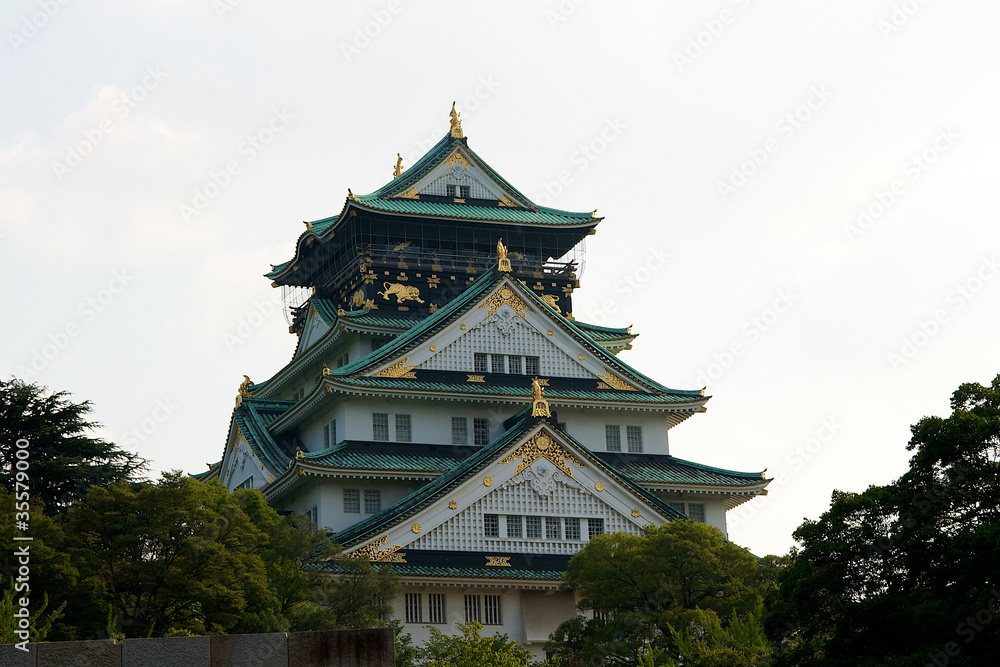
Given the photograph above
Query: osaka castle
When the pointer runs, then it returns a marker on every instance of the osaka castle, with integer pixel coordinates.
(446, 416)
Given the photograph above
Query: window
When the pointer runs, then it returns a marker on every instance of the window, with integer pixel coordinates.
(373, 501)
(464, 190)
(314, 515)
(491, 525)
(677, 505)
(435, 604)
(343, 361)
(479, 362)
(553, 528)
(493, 615)
(534, 526)
(380, 426)
(246, 484)
(459, 431)
(634, 436)
(352, 501)
(497, 363)
(613, 437)
(514, 526)
(481, 430)
(696, 511)
(473, 609)
(404, 433)
(531, 365)
(595, 527)
(451, 190)
(514, 365)
(330, 434)
(572, 528)
(414, 608)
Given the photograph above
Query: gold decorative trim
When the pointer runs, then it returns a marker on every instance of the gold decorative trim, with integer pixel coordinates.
(408, 193)
(506, 296)
(612, 381)
(398, 171)
(635, 513)
(550, 300)
(456, 123)
(507, 201)
(539, 406)
(599, 486)
(400, 291)
(487, 481)
(549, 332)
(398, 369)
(375, 553)
(498, 561)
(350, 195)
(462, 327)
(453, 505)
(543, 381)
(580, 357)
(543, 446)
(503, 264)
(476, 378)
(434, 348)
(243, 391)
(433, 308)
(416, 528)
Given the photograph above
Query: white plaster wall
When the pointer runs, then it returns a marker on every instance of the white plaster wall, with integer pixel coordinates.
(328, 495)
(430, 420)
(715, 506)
(587, 426)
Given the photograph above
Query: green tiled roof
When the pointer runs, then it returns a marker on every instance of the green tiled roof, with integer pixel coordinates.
(605, 333)
(477, 572)
(213, 468)
(409, 457)
(665, 469)
(543, 216)
(253, 417)
(444, 484)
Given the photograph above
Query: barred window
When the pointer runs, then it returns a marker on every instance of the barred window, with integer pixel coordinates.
(473, 609)
(634, 436)
(677, 505)
(595, 527)
(481, 430)
(479, 363)
(531, 365)
(464, 190)
(533, 526)
(491, 525)
(404, 431)
(497, 363)
(459, 431)
(451, 190)
(493, 614)
(326, 436)
(330, 434)
(414, 609)
(314, 515)
(514, 365)
(352, 501)
(246, 484)
(553, 528)
(514, 526)
(435, 607)
(613, 437)
(343, 360)
(572, 528)
(696, 511)
(373, 501)
(380, 426)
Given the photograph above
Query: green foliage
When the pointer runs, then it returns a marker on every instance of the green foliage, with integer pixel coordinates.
(640, 586)
(359, 595)
(472, 650)
(64, 460)
(39, 622)
(705, 641)
(891, 575)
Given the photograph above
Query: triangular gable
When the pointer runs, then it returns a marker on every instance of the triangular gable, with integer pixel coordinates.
(534, 469)
(458, 169)
(312, 331)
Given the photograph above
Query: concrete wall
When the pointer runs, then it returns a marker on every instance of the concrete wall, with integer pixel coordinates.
(335, 648)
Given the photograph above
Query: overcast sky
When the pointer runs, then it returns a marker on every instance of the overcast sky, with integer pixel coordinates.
(800, 201)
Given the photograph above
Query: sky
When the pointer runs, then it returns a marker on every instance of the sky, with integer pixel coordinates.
(800, 201)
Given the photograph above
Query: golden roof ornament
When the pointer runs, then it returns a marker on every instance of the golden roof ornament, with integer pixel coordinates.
(503, 263)
(398, 171)
(244, 390)
(456, 123)
(350, 195)
(299, 454)
(326, 371)
(539, 406)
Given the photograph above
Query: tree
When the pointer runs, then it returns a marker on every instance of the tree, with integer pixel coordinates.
(472, 649)
(64, 461)
(905, 573)
(642, 587)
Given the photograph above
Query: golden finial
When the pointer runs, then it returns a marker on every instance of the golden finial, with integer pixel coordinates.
(593, 214)
(456, 123)
(299, 454)
(350, 195)
(398, 171)
(326, 371)
(503, 264)
(244, 390)
(539, 406)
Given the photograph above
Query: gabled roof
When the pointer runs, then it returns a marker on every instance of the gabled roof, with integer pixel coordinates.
(253, 417)
(437, 489)
(388, 456)
(666, 469)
